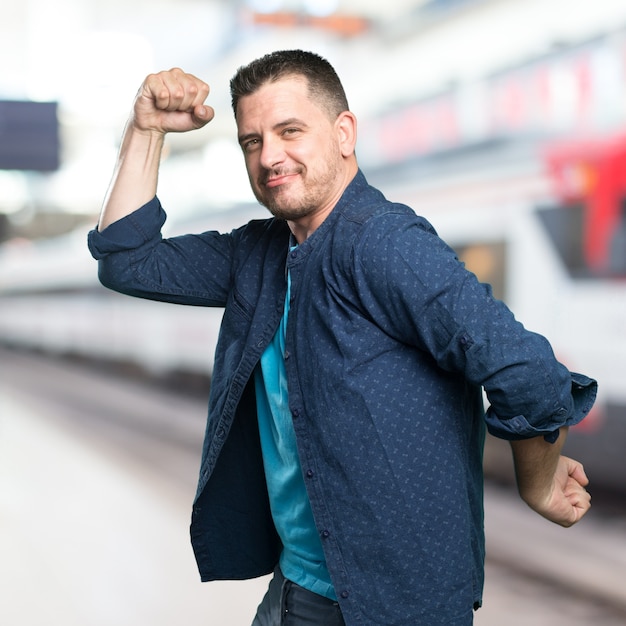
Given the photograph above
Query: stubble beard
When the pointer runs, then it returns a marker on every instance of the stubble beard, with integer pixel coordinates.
(284, 206)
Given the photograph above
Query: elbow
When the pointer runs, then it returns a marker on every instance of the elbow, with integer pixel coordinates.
(105, 276)
(112, 276)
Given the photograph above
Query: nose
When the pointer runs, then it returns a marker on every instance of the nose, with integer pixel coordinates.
(272, 152)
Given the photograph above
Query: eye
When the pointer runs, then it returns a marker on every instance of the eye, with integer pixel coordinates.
(250, 144)
(291, 131)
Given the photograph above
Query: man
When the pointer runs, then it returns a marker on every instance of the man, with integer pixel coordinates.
(345, 431)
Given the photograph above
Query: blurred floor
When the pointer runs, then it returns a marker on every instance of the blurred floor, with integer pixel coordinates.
(86, 541)
(94, 533)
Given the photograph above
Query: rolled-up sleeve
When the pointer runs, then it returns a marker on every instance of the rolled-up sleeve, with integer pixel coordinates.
(129, 233)
(134, 259)
(122, 246)
(574, 409)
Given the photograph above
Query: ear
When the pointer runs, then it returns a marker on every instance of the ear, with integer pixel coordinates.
(345, 126)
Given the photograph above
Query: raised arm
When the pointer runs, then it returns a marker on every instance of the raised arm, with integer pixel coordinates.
(551, 484)
(171, 101)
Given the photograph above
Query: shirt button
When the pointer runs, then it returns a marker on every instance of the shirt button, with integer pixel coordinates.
(287, 354)
(325, 534)
(309, 473)
(345, 594)
(295, 412)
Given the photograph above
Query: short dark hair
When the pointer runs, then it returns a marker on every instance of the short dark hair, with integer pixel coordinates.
(324, 84)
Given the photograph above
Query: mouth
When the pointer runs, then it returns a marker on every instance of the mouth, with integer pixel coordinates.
(278, 180)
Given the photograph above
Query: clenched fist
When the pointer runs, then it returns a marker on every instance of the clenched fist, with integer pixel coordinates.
(171, 101)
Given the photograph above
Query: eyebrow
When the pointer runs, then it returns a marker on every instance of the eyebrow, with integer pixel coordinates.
(288, 122)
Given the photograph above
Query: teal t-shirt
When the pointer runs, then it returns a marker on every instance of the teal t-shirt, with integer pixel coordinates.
(302, 559)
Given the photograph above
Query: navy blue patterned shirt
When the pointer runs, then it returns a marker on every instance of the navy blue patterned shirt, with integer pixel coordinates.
(389, 344)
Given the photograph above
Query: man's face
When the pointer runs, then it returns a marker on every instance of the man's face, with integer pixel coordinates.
(292, 149)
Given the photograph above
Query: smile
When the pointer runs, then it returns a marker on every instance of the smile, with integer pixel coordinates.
(276, 181)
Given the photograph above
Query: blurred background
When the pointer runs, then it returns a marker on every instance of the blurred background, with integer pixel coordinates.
(501, 121)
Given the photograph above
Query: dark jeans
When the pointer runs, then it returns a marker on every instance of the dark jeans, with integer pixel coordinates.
(288, 604)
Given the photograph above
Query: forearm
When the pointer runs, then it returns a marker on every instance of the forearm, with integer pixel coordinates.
(135, 176)
(535, 463)
(170, 101)
(551, 484)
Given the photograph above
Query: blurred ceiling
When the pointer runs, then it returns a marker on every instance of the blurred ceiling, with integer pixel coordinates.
(91, 55)
(88, 53)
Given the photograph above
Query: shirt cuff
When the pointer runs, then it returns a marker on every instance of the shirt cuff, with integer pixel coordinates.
(583, 395)
(130, 232)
